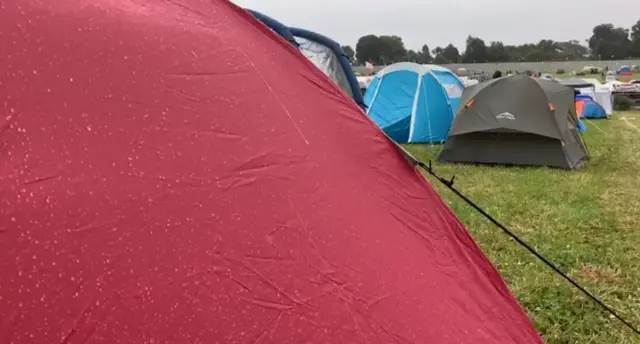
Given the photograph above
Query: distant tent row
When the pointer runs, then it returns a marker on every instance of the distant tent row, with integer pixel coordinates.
(415, 103)
(513, 120)
(324, 52)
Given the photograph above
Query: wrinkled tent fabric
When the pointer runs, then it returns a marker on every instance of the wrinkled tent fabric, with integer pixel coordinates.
(414, 103)
(517, 120)
(163, 181)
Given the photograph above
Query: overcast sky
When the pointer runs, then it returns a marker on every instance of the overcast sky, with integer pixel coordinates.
(440, 22)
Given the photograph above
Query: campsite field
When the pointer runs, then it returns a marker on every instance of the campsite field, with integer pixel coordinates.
(586, 221)
(624, 78)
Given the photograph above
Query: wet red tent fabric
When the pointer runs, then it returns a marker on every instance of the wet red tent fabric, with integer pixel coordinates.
(173, 172)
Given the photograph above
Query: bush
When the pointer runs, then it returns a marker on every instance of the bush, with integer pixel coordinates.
(622, 103)
(497, 74)
(560, 71)
(594, 71)
(581, 73)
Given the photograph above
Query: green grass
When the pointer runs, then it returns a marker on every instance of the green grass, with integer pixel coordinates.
(586, 221)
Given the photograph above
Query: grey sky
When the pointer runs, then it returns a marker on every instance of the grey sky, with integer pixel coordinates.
(440, 22)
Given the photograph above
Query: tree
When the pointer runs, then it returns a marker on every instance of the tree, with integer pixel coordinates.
(530, 52)
(610, 43)
(635, 49)
(476, 51)
(414, 56)
(438, 56)
(380, 50)
(440, 60)
(572, 50)
(606, 42)
(349, 52)
(635, 31)
(425, 55)
(545, 50)
(393, 49)
(496, 52)
(635, 40)
(451, 54)
(368, 49)
(515, 52)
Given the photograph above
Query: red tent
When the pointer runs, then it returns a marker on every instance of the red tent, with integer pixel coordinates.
(174, 172)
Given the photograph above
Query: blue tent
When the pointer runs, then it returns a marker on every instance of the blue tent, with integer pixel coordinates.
(590, 108)
(624, 70)
(325, 53)
(328, 56)
(581, 127)
(414, 103)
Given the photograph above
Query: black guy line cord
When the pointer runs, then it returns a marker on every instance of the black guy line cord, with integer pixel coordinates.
(449, 185)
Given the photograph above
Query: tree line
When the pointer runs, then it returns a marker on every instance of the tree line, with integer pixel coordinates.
(607, 42)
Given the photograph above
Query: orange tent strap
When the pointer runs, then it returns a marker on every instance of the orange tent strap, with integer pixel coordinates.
(470, 103)
(551, 107)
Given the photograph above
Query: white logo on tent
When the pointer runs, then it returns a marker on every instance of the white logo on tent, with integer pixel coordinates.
(506, 115)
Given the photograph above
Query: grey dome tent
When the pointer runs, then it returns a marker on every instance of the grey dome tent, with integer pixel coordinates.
(516, 120)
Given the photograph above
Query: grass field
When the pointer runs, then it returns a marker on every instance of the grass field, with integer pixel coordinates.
(586, 221)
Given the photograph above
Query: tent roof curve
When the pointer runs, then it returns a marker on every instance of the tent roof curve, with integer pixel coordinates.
(414, 67)
(577, 83)
(276, 26)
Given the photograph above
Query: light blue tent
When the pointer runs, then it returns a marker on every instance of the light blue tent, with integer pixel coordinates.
(414, 103)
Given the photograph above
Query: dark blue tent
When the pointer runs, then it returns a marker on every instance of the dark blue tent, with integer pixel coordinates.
(275, 25)
(327, 55)
(324, 52)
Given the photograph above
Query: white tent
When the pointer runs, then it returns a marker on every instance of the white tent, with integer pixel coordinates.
(468, 81)
(603, 95)
(364, 81)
